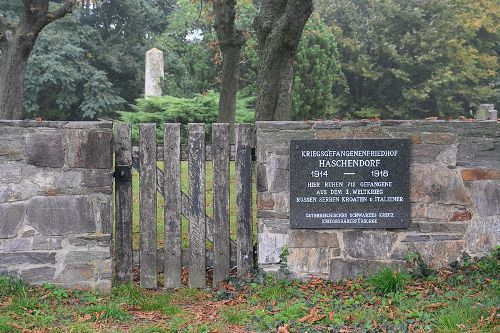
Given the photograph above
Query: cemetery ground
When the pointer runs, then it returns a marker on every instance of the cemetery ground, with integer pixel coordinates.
(462, 298)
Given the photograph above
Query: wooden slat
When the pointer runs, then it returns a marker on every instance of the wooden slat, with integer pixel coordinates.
(185, 205)
(147, 156)
(220, 145)
(197, 227)
(243, 164)
(172, 207)
(123, 201)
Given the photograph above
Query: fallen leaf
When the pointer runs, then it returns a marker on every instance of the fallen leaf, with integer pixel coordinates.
(435, 306)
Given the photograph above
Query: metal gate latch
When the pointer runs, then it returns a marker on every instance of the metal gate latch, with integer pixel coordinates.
(123, 173)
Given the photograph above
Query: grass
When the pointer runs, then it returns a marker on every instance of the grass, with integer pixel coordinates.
(460, 299)
(388, 280)
(185, 186)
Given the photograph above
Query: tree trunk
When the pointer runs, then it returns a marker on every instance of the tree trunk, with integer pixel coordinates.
(279, 27)
(229, 86)
(231, 40)
(16, 44)
(12, 70)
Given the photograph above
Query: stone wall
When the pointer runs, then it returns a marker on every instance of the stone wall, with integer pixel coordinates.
(454, 194)
(55, 202)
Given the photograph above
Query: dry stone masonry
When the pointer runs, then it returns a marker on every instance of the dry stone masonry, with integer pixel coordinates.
(454, 195)
(55, 202)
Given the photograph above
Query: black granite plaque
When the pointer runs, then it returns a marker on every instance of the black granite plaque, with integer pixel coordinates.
(349, 183)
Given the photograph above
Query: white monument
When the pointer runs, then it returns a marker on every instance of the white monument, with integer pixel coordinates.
(154, 72)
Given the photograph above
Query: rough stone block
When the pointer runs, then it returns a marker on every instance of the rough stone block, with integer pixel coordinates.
(430, 183)
(102, 213)
(11, 217)
(45, 149)
(54, 216)
(341, 269)
(436, 254)
(38, 275)
(27, 258)
(482, 235)
(11, 173)
(47, 243)
(91, 240)
(76, 273)
(89, 149)
(480, 174)
(269, 247)
(261, 177)
(278, 173)
(102, 270)
(369, 244)
(87, 256)
(274, 226)
(437, 138)
(479, 153)
(486, 195)
(17, 244)
(265, 214)
(369, 132)
(12, 147)
(103, 286)
(312, 238)
(448, 156)
(265, 201)
(439, 212)
(311, 260)
(329, 134)
(97, 178)
(438, 227)
(17, 192)
(426, 153)
(68, 179)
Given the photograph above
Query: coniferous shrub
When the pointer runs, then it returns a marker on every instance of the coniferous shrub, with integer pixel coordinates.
(202, 108)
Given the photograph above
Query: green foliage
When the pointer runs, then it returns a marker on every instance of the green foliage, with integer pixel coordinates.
(413, 59)
(12, 286)
(5, 325)
(61, 84)
(388, 280)
(106, 311)
(124, 31)
(460, 317)
(235, 315)
(316, 72)
(127, 294)
(202, 108)
(160, 303)
(273, 290)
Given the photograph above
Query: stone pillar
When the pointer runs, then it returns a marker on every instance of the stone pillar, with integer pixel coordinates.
(486, 112)
(154, 71)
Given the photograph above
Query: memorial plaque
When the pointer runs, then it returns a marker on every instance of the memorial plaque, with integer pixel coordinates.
(362, 183)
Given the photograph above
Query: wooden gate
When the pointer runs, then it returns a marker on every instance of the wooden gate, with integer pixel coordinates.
(191, 205)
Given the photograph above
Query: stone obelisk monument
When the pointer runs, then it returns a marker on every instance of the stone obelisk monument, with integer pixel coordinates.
(154, 72)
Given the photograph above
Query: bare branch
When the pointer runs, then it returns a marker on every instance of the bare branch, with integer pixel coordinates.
(66, 8)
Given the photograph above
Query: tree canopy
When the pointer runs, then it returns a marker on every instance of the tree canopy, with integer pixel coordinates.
(354, 59)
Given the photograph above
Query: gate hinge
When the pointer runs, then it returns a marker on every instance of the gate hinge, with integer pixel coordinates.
(123, 173)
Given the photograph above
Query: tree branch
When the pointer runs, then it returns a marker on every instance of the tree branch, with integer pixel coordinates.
(66, 8)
